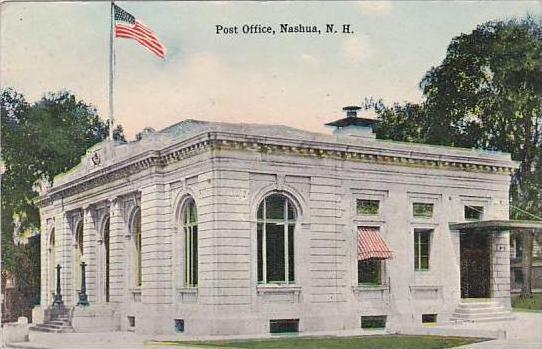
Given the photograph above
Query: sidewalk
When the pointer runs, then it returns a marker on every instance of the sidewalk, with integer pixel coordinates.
(524, 332)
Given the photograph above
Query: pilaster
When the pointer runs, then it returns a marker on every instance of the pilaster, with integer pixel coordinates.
(89, 253)
(117, 255)
(500, 267)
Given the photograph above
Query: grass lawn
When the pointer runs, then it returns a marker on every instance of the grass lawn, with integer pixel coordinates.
(361, 342)
(533, 303)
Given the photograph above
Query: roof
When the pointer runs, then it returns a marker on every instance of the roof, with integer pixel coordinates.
(497, 225)
(190, 136)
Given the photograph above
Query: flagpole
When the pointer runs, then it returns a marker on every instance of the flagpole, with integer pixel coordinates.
(111, 70)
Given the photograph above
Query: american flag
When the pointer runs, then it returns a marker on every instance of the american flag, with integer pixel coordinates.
(127, 26)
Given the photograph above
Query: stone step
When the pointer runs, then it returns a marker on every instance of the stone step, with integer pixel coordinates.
(65, 329)
(480, 310)
(502, 314)
(59, 322)
(475, 305)
(486, 319)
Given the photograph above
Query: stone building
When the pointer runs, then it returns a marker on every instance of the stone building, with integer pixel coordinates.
(209, 228)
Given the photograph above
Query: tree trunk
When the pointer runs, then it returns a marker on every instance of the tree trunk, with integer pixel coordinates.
(527, 263)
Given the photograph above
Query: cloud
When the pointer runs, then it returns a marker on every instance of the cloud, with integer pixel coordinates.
(356, 50)
(377, 7)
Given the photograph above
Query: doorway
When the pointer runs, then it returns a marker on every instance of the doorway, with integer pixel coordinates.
(475, 265)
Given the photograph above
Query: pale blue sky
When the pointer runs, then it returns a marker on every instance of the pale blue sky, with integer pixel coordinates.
(297, 80)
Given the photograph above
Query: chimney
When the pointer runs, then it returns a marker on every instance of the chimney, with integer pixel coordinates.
(354, 125)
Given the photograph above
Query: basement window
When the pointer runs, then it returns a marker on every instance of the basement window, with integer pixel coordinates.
(179, 325)
(284, 326)
(131, 321)
(378, 321)
(429, 318)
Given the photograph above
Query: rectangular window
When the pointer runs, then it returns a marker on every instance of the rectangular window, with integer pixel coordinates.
(429, 318)
(131, 321)
(422, 210)
(422, 241)
(179, 325)
(378, 321)
(474, 213)
(369, 272)
(367, 207)
(284, 326)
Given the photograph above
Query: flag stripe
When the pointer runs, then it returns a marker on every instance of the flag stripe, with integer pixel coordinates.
(130, 33)
(135, 33)
(126, 26)
(156, 50)
(148, 42)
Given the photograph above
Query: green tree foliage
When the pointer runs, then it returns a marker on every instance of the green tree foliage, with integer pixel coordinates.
(486, 93)
(39, 141)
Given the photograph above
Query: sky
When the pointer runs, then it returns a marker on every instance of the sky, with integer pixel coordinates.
(299, 80)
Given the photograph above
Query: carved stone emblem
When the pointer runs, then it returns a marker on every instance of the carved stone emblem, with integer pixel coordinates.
(96, 158)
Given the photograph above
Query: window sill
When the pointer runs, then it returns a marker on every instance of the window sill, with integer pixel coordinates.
(374, 219)
(136, 294)
(190, 290)
(370, 288)
(187, 295)
(424, 288)
(278, 288)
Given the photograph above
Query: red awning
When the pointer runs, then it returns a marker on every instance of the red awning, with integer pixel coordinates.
(371, 244)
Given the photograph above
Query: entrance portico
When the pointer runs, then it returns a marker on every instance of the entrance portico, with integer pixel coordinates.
(485, 257)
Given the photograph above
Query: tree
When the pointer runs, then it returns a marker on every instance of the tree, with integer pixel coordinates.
(486, 93)
(38, 142)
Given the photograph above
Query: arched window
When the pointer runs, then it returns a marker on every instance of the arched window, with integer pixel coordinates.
(190, 226)
(136, 234)
(275, 229)
(52, 263)
(107, 256)
(78, 255)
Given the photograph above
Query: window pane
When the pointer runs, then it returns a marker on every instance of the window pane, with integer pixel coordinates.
(291, 253)
(275, 206)
(367, 207)
(260, 252)
(275, 252)
(193, 212)
(194, 261)
(422, 249)
(291, 211)
(260, 210)
(474, 212)
(422, 210)
(139, 254)
(369, 272)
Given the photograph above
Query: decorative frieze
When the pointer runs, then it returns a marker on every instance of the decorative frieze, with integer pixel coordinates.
(160, 158)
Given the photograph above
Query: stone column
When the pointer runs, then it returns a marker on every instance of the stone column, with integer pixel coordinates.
(63, 242)
(46, 225)
(500, 267)
(117, 227)
(89, 252)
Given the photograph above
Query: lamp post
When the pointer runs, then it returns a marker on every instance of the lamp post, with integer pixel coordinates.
(58, 296)
(83, 298)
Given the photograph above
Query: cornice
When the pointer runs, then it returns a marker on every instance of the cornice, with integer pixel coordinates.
(216, 141)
